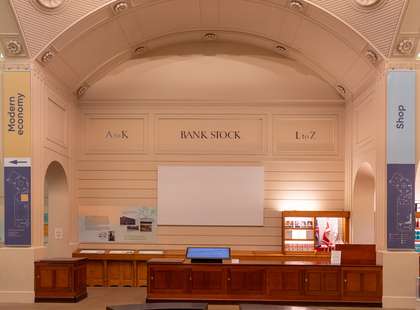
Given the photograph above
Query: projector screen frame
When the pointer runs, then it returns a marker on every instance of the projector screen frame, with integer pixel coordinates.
(210, 195)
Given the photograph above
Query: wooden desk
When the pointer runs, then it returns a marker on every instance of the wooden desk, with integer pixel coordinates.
(61, 279)
(276, 281)
(131, 269)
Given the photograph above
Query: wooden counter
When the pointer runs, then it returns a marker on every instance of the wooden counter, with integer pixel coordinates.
(108, 269)
(264, 280)
(61, 279)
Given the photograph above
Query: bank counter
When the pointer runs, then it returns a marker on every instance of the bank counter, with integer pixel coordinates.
(267, 280)
(250, 276)
(129, 267)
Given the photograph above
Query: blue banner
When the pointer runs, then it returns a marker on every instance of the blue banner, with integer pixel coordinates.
(401, 219)
(17, 189)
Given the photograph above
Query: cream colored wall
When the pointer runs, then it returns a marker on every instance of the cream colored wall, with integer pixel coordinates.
(202, 86)
(51, 132)
(365, 117)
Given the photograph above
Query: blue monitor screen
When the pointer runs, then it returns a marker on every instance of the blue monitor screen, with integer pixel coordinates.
(208, 253)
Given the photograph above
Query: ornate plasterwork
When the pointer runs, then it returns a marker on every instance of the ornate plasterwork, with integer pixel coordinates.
(372, 57)
(14, 47)
(341, 90)
(368, 3)
(296, 5)
(140, 50)
(49, 6)
(120, 6)
(47, 56)
(82, 90)
(406, 46)
(210, 36)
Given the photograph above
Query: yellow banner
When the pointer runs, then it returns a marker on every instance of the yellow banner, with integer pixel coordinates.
(16, 114)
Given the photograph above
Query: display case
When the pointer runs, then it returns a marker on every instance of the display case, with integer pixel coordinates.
(314, 231)
(418, 227)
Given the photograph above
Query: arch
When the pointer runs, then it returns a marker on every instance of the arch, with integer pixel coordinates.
(57, 203)
(103, 39)
(176, 73)
(363, 209)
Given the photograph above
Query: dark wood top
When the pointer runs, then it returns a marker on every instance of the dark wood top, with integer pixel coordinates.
(254, 263)
(273, 307)
(60, 260)
(180, 254)
(162, 306)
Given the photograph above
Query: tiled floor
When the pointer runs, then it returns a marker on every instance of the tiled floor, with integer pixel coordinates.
(99, 298)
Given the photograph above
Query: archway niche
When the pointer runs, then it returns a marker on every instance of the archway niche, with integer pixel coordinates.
(363, 208)
(56, 211)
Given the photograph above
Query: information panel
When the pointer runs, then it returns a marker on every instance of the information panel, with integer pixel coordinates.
(401, 159)
(17, 162)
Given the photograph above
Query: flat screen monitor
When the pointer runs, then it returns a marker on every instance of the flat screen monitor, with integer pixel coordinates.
(208, 254)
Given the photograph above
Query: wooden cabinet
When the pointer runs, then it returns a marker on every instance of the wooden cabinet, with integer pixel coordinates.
(208, 280)
(169, 280)
(247, 281)
(121, 273)
(275, 281)
(362, 283)
(60, 280)
(285, 282)
(141, 274)
(322, 283)
(95, 271)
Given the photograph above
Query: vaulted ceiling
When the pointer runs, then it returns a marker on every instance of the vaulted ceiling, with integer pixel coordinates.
(343, 40)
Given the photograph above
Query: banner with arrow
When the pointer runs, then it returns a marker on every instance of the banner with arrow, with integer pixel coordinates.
(17, 160)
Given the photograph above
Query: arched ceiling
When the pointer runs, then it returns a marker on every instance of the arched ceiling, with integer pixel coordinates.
(341, 41)
(217, 72)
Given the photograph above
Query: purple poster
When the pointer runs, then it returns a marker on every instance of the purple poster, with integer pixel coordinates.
(401, 210)
(17, 187)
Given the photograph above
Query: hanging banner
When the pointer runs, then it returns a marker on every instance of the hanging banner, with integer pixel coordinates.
(17, 153)
(401, 219)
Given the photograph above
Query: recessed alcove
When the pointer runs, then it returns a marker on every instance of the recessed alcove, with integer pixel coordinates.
(57, 208)
(363, 206)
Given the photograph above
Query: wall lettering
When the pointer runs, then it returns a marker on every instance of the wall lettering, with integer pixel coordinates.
(306, 135)
(401, 114)
(16, 114)
(208, 135)
(123, 134)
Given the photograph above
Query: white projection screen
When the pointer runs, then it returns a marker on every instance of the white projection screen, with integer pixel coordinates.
(211, 195)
